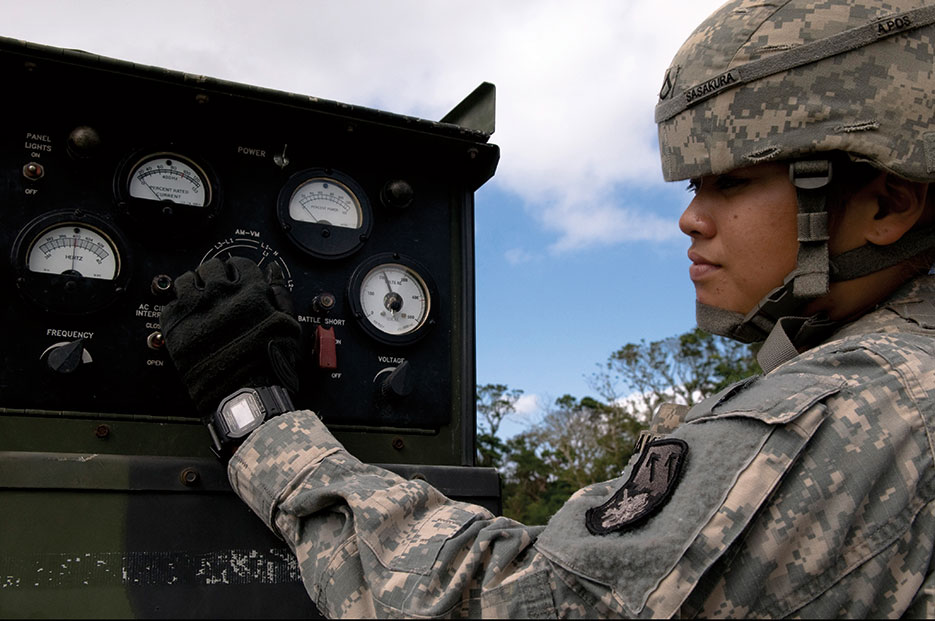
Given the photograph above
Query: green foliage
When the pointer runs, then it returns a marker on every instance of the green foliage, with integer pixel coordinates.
(531, 494)
(578, 442)
(684, 369)
(495, 402)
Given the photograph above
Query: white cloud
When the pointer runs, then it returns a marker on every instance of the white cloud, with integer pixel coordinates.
(528, 405)
(576, 86)
(604, 222)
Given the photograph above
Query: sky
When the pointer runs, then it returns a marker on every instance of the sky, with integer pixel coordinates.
(578, 250)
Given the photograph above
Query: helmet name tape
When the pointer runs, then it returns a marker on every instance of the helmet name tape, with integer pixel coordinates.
(712, 87)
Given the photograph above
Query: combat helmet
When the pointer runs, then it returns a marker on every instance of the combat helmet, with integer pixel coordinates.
(798, 80)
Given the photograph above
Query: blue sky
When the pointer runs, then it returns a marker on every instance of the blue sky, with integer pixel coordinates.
(578, 250)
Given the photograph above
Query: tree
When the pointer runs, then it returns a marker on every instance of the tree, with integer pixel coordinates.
(584, 440)
(685, 369)
(531, 493)
(495, 402)
(576, 443)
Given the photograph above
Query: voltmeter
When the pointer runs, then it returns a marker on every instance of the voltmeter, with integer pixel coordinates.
(392, 298)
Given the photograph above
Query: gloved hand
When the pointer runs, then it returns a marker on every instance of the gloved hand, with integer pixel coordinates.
(231, 326)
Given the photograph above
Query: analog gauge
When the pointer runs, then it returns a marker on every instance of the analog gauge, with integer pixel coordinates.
(70, 262)
(152, 186)
(325, 213)
(392, 298)
(326, 201)
(73, 248)
(169, 177)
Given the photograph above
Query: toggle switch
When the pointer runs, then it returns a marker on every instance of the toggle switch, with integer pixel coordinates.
(326, 353)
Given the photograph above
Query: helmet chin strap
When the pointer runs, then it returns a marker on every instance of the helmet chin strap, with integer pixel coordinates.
(775, 313)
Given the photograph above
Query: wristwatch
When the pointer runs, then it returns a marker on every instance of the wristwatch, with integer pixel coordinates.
(243, 411)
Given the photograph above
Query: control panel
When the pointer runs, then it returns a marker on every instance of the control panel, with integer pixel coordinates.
(118, 178)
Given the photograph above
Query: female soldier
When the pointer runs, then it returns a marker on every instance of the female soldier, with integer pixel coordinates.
(806, 129)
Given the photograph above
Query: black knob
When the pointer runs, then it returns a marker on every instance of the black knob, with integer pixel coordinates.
(66, 358)
(83, 142)
(397, 193)
(398, 383)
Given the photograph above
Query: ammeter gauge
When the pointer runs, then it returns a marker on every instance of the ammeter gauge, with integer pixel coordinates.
(169, 177)
(325, 213)
(151, 185)
(392, 298)
(70, 262)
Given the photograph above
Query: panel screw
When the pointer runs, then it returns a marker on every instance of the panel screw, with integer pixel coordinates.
(189, 477)
(398, 444)
(102, 431)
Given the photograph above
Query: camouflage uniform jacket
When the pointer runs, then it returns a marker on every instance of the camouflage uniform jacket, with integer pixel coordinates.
(805, 492)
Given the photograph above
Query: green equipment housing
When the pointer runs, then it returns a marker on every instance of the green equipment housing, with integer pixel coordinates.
(116, 178)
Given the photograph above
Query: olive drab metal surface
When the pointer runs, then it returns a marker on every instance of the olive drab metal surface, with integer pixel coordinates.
(114, 179)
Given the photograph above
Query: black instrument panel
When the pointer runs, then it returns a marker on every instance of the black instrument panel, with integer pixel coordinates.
(116, 179)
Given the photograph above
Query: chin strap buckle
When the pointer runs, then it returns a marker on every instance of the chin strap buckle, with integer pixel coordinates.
(810, 174)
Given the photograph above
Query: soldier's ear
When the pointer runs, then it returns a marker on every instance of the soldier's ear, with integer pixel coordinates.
(884, 210)
(899, 207)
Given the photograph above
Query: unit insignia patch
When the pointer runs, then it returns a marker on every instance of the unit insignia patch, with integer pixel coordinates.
(648, 488)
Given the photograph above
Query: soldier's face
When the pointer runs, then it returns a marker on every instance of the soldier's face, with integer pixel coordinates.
(743, 235)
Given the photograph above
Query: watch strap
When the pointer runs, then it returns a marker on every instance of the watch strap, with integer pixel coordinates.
(275, 400)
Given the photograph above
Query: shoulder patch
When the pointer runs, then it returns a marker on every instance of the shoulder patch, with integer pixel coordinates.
(651, 483)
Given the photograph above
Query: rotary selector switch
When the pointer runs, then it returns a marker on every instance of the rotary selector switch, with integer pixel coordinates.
(398, 382)
(66, 357)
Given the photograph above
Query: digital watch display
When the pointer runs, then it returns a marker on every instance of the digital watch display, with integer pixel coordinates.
(243, 411)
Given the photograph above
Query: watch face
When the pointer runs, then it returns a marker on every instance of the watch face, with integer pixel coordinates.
(241, 413)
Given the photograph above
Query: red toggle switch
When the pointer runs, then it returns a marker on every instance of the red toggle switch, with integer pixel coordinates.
(325, 348)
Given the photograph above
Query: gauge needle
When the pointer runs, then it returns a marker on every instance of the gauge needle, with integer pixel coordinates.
(314, 219)
(74, 252)
(393, 301)
(156, 194)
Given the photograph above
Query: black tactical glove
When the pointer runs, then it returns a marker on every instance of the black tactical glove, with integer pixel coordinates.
(231, 326)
